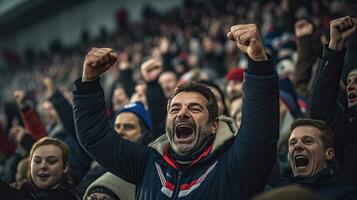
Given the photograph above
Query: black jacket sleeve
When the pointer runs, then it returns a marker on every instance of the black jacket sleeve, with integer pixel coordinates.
(65, 112)
(256, 143)
(157, 107)
(324, 103)
(126, 79)
(121, 157)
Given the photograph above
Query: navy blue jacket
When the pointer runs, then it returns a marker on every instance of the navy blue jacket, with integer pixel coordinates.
(327, 184)
(324, 105)
(236, 167)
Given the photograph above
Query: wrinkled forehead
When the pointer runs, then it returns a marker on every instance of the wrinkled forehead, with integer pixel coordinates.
(187, 98)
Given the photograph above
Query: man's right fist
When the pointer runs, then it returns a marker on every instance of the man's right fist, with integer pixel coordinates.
(248, 40)
(97, 61)
(341, 30)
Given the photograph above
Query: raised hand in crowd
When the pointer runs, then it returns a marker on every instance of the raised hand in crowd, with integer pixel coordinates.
(20, 98)
(123, 59)
(248, 40)
(49, 86)
(341, 30)
(306, 56)
(303, 28)
(151, 69)
(154, 94)
(97, 61)
(17, 133)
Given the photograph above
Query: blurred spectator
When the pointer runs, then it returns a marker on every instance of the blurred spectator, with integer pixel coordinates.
(235, 82)
(218, 93)
(21, 173)
(168, 82)
(134, 123)
(120, 98)
(306, 56)
(155, 96)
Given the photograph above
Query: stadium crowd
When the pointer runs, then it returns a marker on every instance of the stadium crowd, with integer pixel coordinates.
(211, 100)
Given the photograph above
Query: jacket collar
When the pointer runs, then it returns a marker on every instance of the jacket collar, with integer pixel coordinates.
(321, 178)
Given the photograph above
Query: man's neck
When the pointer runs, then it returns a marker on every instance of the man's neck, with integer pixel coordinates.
(185, 160)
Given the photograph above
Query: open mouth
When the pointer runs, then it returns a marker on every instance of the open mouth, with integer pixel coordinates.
(183, 131)
(352, 96)
(43, 176)
(301, 161)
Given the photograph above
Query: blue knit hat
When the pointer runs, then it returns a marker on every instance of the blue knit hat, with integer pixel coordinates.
(139, 110)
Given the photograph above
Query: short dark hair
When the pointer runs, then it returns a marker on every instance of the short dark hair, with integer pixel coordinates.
(326, 132)
(204, 91)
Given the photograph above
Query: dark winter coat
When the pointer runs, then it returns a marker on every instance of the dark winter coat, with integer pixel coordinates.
(324, 105)
(223, 172)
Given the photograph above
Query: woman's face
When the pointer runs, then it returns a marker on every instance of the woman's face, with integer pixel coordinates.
(47, 166)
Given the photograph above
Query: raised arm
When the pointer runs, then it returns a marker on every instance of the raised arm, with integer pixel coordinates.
(150, 70)
(254, 150)
(61, 105)
(324, 103)
(123, 158)
(306, 56)
(32, 122)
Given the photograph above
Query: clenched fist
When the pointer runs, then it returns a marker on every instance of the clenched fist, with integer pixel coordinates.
(341, 30)
(50, 86)
(17, 133)
(20, 97)
(248, 39)
(97, 61)
(151, 69)
(303, 27)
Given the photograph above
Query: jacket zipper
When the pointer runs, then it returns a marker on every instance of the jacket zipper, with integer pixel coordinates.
(177, 186)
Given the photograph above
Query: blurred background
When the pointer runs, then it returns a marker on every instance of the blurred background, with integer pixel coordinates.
(50, 38)
(43, 44)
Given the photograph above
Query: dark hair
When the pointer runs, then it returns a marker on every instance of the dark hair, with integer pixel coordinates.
(204, 91)
(212, 84)
(326, 132)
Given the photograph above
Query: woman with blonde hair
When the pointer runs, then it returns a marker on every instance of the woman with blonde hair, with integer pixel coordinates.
(48, 173)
